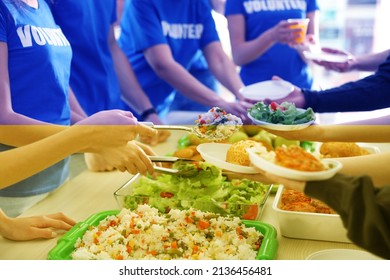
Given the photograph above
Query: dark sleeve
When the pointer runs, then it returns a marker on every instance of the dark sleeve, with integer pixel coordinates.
(364, 209)
(370, 93)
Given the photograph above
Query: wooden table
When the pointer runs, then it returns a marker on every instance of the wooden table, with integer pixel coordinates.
(87, 193)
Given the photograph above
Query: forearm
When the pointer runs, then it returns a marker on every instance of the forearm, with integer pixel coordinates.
(30, 159)
(77, 112)
(363, 209)
(370, 62)
(367, 94)
(132, 92)
(339, 133)
(248, 51)
(184, 82)
(356, 166)
(225, 72)
(20, 135)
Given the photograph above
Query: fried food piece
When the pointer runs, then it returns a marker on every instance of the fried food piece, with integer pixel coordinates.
(290, 196)
(299, 207)
(295, 157)
(342, 149)
(293, 200)
(237, 154)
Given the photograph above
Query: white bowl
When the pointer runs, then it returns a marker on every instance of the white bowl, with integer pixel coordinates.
(281, 127)
(272, 89)
(304, 225)
(342, 254)
(215, 153)
(333, 167)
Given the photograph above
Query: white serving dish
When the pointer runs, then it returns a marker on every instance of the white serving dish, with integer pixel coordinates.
(333, 167)
(342, 254)
(314, 226)
(272, 89)
(215, 153)
(326, 57)
(281, 127)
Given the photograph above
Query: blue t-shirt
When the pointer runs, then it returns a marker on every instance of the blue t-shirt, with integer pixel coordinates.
(186, 26)
(86, 24)
(39, 57)
(280, 59)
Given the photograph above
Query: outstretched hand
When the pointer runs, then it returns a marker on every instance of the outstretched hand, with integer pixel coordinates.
(35, 227)
(113, 128)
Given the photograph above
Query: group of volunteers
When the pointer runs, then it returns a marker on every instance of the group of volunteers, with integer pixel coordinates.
(69, 85)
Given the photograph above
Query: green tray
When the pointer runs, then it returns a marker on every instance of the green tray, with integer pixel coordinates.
(65, 245)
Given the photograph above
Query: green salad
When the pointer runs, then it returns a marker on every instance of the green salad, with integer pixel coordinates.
(285, 113)
(203, 187)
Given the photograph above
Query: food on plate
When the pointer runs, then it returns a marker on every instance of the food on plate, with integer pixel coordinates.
(341, 149)
(217, 124)
(292, 200)
(297, 158)
(293, 157)
(237, 153)
(204, 187)
(189, 152)
(285, 113)
(146, 234)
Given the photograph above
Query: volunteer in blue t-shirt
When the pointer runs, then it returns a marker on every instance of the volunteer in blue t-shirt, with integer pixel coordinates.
(256, 31)
(93, 78)
(161, 39)
(34, 75)
(101, 76)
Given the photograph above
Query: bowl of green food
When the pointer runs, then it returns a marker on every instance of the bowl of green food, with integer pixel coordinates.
(206, 189)
(284, 116)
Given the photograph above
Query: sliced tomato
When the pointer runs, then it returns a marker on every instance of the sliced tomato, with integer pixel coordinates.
(252, 212)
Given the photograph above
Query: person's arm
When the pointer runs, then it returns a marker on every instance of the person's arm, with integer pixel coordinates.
(369, 93)
(161, 60)
(130, 88)
(364, 209)
(223, 68)
(35, 227)
(244, 51)
(338, 133)
(131, 91)
(77, 112)
(104, 130)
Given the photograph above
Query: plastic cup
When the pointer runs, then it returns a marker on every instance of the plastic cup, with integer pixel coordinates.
(299, 23)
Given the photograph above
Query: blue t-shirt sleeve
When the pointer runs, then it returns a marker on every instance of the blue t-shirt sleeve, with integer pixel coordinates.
(113, 15)
(3, 29)
(312, 5)
(144, 25)
(210, 33)
(233, 7)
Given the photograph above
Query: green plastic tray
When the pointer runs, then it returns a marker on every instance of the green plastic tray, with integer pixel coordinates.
(65, 245)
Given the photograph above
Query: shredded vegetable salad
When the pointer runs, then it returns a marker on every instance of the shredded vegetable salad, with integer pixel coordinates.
(285, 113)
(204, 187)
(147, 234)
(217, 124)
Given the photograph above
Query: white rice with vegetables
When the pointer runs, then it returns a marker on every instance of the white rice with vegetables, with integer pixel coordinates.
(217, 124)
(181, 234)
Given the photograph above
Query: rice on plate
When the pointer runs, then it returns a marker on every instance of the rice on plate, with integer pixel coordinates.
(181, 234)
